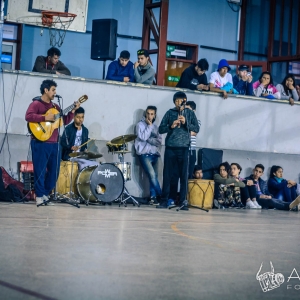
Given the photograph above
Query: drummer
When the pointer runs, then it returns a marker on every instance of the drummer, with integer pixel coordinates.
(76, 134)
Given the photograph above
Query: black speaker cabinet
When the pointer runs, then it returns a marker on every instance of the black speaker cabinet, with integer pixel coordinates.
(209, 160)
(104, 39)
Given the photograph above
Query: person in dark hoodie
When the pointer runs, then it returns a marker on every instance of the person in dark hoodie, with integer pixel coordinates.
(147, 146)
(143, 70)
(44, 154)
(194, 77)
(177, 122)
(121, 69)
(243, 81)
(50, 64)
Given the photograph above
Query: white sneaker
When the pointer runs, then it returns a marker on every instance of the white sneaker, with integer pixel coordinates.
(295, 203)
(45, 198)
(256, 204)
(250, 204)
(39, 201)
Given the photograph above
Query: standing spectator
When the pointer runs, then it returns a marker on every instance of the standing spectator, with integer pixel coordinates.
(220, 78)
(243, 81)
(264, 87)
(147, 146)
(51, 64)
(143, 70)
(280, 188)
(287, 89)
(121, 69)
(194, 77)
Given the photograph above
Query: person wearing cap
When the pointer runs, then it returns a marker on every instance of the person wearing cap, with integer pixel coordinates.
(143, 70)
(221, 78)
(243, 81)
(194, 77)
(178, 123)
(121, 69)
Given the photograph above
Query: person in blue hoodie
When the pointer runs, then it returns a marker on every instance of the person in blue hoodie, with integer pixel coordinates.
(147, 146)
(121, 69)
(243, 81)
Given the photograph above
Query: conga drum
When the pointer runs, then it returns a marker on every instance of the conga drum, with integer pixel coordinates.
(201, 193)
(64, 178)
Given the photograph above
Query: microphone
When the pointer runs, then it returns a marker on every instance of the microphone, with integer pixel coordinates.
(57, 96)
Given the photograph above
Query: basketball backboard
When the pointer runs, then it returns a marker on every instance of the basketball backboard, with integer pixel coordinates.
(29, 11)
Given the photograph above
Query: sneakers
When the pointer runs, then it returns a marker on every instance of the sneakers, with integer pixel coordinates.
(171, 202)
(250, 205)
(256, 204)
(163, 204)
(45, 198)
(295, 203)
(39, 201)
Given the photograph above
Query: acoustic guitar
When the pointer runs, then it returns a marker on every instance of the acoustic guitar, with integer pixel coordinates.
(43, 130)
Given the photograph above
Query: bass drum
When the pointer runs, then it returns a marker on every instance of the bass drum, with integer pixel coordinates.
(104, 182)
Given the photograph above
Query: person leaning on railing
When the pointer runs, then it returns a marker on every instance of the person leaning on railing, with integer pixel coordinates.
(287, 89)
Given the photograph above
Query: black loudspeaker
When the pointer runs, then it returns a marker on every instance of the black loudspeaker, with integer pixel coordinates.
(209, 160)
(104, 39)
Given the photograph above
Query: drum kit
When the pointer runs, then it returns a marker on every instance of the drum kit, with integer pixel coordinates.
(95, 183)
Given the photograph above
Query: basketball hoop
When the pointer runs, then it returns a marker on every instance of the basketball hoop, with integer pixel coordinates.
(58, 23)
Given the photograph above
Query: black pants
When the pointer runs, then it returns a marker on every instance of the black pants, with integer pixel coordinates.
(175, 177)
(175, 162)
(273, 203)
(249, 191)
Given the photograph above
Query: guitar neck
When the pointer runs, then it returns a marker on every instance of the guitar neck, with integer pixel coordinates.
(68, 109)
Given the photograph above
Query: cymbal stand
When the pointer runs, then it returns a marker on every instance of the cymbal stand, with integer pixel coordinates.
(126, 195)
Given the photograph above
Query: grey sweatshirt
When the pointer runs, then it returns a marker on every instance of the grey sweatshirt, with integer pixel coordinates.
(283, 94)
(148, 139)
(144, 74)
(220, 180)
(178, 136)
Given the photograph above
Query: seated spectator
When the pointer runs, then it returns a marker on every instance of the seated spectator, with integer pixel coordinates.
(50, 63)
(282, 189)
(243, 81)
(194, 77)
(264, 87)
(121, 69)
(198, 174)
(143, 70)
(264, 198)
(220, 78)
(227, 188)
(287, 89)
(248, 193)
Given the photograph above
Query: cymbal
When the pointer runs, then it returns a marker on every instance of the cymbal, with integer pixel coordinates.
(92, 155)
(75, 154)
(122, 139)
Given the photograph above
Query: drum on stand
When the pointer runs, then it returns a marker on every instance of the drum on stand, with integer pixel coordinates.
(201, 193)
(125, 168)
(104, 182)
(64, 177)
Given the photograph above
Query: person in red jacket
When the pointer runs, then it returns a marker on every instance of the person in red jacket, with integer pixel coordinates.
(44, 154)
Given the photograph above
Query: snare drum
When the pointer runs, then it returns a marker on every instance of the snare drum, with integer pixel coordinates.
(104, 182)
(201, 193)
(64, 177)
(125, 168)
(116, 147)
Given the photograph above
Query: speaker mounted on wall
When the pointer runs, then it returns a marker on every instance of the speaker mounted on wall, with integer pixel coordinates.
(104, 39)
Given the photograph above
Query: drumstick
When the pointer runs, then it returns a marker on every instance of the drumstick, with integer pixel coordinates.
(86, 143)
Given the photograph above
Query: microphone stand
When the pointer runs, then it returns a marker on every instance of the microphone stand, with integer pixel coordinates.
(55, 198)
(185, 202)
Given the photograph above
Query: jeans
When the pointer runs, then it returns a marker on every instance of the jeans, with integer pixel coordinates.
(175, 162)
(46, 170)
(249, 191)
(286, 194)
(273, 203)
(148, 162)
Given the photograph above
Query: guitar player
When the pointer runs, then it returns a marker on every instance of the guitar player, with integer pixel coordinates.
(44, 153)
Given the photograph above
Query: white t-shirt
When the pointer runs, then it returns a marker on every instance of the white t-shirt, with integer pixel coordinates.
(219, 81)
(78, 139)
